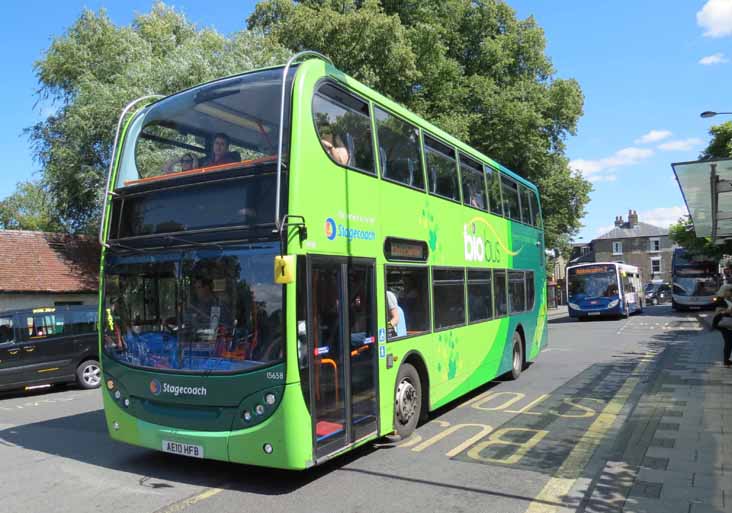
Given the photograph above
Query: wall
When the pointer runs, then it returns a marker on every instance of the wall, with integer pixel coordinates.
(636, 252)
(11, 301)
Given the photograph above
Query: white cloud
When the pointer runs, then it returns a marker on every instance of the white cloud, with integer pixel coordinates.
(663, 216)
(653, 136)
(717, 58)
(716, 18)
(602, 178)
(681, 144)
(625, 157)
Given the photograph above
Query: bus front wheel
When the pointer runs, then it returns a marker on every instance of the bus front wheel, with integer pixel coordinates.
(407, 401)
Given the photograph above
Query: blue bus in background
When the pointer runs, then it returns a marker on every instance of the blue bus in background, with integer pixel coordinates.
(603, 289)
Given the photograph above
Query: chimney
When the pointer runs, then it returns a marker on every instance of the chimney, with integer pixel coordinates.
(632, 218)
(618, 221)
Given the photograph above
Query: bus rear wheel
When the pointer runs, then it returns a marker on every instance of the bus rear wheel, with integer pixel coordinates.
(89, 374)
(517, 356)
(407, 401)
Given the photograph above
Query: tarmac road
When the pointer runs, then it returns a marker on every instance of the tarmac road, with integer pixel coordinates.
(509, 447)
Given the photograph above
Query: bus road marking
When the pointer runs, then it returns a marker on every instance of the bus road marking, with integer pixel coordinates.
(558, 485)
(193, 500)
(483, 431)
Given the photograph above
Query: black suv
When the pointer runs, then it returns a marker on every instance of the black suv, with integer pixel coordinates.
(657, 293)
(49, 345)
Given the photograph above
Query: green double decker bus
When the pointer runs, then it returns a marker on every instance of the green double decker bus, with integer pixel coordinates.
(293, 265)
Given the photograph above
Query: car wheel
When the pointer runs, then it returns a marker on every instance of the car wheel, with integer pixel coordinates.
(89, 374)
(407, 401)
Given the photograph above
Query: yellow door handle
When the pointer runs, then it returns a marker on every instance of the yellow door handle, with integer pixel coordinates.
(30, 349)
(13, 352)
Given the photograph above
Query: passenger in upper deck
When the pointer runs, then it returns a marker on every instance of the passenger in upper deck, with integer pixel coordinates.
(187, 161)
(220, 152)
(335, 146)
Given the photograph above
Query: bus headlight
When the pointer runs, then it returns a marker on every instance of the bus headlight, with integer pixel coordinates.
(613, 303)
(247, 415)
(259, 409)
(574, 306)
(270, 399)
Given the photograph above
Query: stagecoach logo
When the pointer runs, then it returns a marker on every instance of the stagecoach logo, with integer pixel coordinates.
(155, 387)
(330, 228)
(333, 230)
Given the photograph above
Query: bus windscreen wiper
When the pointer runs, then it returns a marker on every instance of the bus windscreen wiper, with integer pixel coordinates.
(194, 243)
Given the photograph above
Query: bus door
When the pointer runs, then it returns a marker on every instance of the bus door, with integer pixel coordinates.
(342, 346)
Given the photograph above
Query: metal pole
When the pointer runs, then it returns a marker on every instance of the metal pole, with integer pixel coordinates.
(114, 153)
(290, 62)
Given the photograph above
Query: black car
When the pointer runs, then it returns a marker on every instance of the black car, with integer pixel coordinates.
(657, 293)
(49, 345)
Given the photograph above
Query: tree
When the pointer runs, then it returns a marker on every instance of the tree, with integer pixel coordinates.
(96, 68)
(720, 147)
(683, 234)
(469, 67)
(28, 208)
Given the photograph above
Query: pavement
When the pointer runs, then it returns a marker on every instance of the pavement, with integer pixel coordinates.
(558, 312)
(674, 452)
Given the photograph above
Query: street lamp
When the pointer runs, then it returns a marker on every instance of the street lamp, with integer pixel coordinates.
(711, 114)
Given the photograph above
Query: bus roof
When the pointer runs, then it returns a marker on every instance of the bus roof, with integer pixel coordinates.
(624, 267)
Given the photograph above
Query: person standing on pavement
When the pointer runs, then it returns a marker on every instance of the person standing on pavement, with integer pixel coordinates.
(723, 313)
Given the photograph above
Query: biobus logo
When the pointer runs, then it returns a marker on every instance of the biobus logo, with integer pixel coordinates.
(478, 249)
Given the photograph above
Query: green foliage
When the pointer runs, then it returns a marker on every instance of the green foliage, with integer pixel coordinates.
(470, 67)
(92, 71)
(720, 147)
(683, 234)
(28, 208)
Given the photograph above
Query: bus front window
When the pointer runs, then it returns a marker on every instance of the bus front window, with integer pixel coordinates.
(194, 311)
(222, 124)
(593, 285)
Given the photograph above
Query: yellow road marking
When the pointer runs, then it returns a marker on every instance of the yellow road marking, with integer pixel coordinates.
(190, 501)
(557, 488)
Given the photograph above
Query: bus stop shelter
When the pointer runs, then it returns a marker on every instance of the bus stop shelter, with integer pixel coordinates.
(707, 189)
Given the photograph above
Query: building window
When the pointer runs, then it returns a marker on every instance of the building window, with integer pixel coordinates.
(655, 265)
(655, 245)
(617, 248)
(585, 250)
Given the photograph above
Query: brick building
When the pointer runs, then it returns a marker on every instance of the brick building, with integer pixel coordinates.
(47, 269)
(636, 243)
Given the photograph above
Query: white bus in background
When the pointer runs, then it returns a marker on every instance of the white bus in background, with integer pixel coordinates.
(604, 289)
(694, 281)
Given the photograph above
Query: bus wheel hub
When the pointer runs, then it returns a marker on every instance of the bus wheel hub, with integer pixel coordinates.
(406, 401)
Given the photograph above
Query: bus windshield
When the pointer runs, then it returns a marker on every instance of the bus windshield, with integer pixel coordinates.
(225, 124)
(695, 285)
(596, 281)
(196, 311)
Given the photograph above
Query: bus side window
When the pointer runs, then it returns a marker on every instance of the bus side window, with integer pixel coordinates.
(442, 172)
(493, 178)
(511, 203)
(344, 128)
(398, 144)
(409, 287)
(473, 183)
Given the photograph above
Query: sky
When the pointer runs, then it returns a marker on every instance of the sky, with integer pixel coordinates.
(646, 69)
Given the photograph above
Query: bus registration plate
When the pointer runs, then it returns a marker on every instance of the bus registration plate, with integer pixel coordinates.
(194, 451)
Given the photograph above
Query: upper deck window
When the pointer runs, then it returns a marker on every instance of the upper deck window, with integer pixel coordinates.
(441, 169)
(473, 183)
(232, 122)
(344, 128)
(511, 204)
(398, 144)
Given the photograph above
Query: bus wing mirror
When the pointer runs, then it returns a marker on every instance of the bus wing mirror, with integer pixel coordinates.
(284, 269)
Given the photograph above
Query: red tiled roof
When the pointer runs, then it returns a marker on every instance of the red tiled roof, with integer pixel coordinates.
(48, 262)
